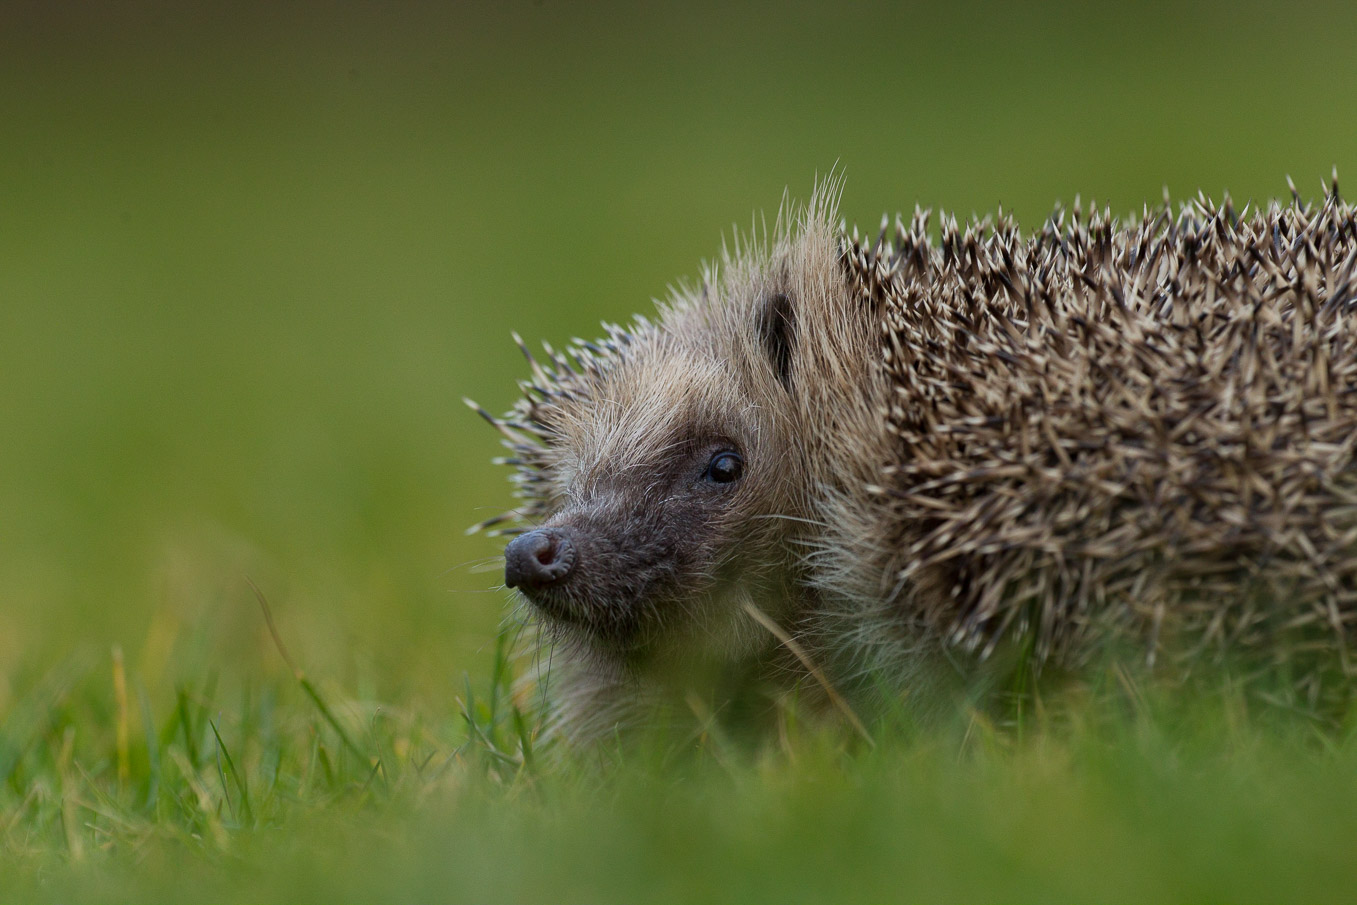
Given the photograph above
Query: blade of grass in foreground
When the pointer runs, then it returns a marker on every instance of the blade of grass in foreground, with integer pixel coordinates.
(302, 680)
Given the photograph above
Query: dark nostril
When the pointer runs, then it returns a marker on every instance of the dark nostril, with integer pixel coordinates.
(538, 558)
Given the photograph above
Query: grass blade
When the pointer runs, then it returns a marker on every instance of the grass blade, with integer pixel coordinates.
(235, 775)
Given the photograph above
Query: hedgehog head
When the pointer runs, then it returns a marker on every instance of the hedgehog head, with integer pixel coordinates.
(668, 471)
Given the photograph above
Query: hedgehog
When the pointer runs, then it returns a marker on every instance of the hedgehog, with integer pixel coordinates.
(843, 464)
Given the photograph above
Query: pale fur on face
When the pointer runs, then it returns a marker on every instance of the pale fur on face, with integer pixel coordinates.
(773, 357)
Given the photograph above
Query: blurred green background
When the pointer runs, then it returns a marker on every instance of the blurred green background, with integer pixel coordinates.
(252, 256)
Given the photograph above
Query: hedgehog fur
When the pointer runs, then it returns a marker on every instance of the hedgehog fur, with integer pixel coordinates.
(1104, 432)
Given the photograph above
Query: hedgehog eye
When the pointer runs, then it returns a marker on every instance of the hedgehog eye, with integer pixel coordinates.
(724, 468)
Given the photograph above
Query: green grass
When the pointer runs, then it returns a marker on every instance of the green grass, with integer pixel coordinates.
(1131, 794)
(251, 259)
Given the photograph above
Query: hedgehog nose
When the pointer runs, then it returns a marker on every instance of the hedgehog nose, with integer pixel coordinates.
(538, 559)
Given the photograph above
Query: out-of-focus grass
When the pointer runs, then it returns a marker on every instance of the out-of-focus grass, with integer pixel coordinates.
(250, 259)
(1127, 795)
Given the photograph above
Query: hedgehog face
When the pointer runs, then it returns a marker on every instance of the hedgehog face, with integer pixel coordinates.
(664, 483)
(678, 471)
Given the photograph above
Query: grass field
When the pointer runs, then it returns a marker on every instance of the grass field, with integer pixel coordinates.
(250, 259)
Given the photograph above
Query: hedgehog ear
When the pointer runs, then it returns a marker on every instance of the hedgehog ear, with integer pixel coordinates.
(777, 332)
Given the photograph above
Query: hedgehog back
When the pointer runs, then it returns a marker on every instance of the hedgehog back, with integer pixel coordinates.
(1139, 431)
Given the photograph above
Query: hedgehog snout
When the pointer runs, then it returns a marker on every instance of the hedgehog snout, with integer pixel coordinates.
(539, 559)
